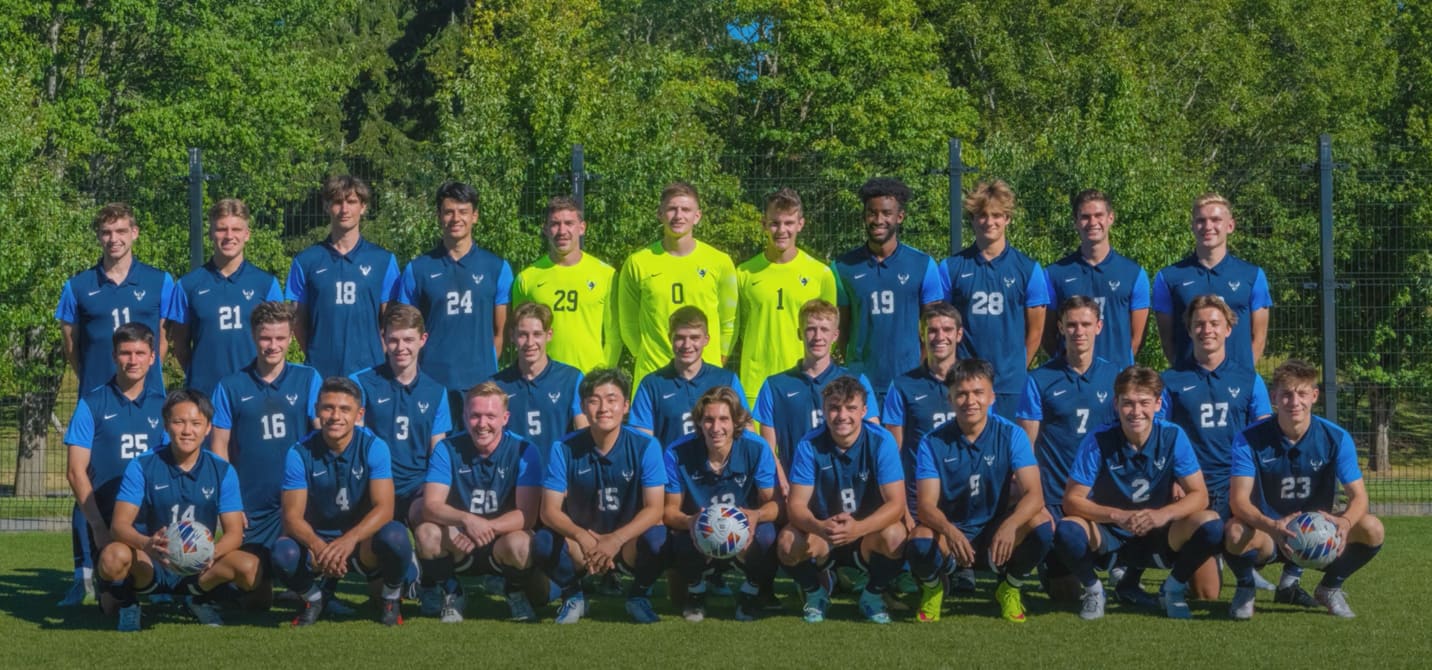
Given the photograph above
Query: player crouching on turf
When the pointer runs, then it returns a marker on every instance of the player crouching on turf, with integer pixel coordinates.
(846, 504)
(601, 502)
(966, 473)
(1120, 498)
(338, 508)
(180, 482)
(1287, 465)
(722, 462)
(480, 501)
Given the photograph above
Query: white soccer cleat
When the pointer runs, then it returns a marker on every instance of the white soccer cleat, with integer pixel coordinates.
(1335, 600)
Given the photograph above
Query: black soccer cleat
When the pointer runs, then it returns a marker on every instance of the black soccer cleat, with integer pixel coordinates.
(308, 613)
(1293, 594)
(392, 612)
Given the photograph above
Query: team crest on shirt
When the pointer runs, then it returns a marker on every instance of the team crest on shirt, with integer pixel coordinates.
(628, 474)
(1009, 282)
(1159, 463)
(903, 278)
(477, 279)
(864, 475)
(138, 294)
(357, 470)
(989, 460)
(805, 280)
(248, 294)
(292, 399)
(1233, 285)
(422, 408)
(501, 473)
(591, 286)
(701, 272)
(365, 269)
(153, 423)
(1235, 390)
(555, 397)
(740, 479)
(1102, 396)
(208, 492)
(1317, 465)
(1114, 285)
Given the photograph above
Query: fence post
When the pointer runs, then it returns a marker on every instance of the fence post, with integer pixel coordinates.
(579, 177)
(1329, 293)
(196, 208)
(957, 170)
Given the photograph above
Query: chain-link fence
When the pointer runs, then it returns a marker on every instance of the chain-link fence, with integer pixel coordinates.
(1381, 262)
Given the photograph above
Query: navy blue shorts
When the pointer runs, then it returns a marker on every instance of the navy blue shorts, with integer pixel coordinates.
(1137, 551)
(479, 562)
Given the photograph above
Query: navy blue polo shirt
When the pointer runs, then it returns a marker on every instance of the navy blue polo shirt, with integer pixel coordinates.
(1241, 284)
(166, 494)
(457, 299)
(1126, 478)
(1118, 284)
(1302, 476)
(991, 296)
(975, 477)
(884, 298)
(663, 400)
(541, 409)
(97, 307)
(484, 485)
(846, 480)
(1213, 407)
(604, 491)
(115, 430)
(216, 309)
(1068, 405)
(337, 483)
(750, 468)
(342, 295)
(405, 417)
(791, 404)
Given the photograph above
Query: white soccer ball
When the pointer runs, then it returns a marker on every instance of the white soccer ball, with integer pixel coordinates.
(721, 531)
(1314, 543)
(191, 546)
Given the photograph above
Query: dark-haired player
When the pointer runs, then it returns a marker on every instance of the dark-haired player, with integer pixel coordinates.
(663, 401)
(542, 392)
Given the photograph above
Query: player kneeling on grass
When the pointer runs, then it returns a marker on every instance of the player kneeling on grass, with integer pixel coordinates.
(180, 482)
(846, 504)
(1120, 498)
(1287, 465)
(601, 502)
(721, 463)
(338, 508)
(480, 501)
(966, 473)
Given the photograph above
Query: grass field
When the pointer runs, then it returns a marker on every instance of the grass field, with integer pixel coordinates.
(1390, 596)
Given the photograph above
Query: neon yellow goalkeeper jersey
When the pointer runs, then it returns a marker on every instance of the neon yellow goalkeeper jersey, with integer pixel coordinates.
(584, 324)
(771, 295)
(654, 284)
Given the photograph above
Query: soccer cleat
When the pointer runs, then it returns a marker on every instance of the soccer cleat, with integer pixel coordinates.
(1293, 594)
(451, 608)
(494, 584)
(81, 592)
(392, 612)
(337, 607)
(1091, 604)
(1133, 594)
(716, 585)
(1116, 575)
(1241, 609)
(129, 618)
(815, 604)
(205, 611)
(1261, 583)
(747, 606)
(932, 600)
(1175, 600)
(573, 609)
(1335, 600)
(641, 611)
(695, 610)
(872, 605)
(308, 612)
(1011, 603)
(905, 584)
(430, 600)
(519, 608)
(964, 580)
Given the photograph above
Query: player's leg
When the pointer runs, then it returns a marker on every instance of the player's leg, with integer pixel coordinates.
(1245, 548)
(802, 556)
(83, 552)
(643, 556)
(931, 562)
(408, 510)
(1364, 540)
(1195, 538)
(386, 556)
(1077, 541)
(512, 554)
(126, 573)
(691, 566)
(559, 558)
(239, 568)
(1206, 583)
(293, 568)
(884, 553)
(435, 551)
(758, 562)
(1032, 541)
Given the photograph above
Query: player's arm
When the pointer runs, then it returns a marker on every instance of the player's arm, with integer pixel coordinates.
(798, 510)
(629, 304)
(382, 495)
(768, 510)
(554, 517)
(1258, 326)
(1240, 503)
(1077, 503)
(652, 501)
(671, 513)
(727, 301)
(179, 343)
(294, 290)
(1032, 499)
(1167, 323)
(294, 503)
(1033, 332)
(123, 531)
(1161, 299)
(72, 353)
(889, 511)
(219, 437)
(1195, 497)
(1030, 428)
(77, 474)
(1139, 302)
(499, 307)
(927, 503)
(233, 525)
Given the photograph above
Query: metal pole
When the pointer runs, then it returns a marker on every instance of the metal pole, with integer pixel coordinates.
(957, 175)
(196, 208)
(579, 177)
(1329, 296)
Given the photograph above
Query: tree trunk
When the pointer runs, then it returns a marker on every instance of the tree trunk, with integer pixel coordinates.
(37, 404)
(1381, 400)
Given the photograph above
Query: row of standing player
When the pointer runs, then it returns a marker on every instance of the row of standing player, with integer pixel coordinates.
(223, 279)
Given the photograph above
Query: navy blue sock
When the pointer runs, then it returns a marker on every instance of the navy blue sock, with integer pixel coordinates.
(690, 563)
(550, 549)
(1241, 565)
(1071, 543)
(394, 551)
(760, 562)
(290, 565)
(1029, 553)
(414, 572)
(805, 575)
(1354, 557)
(436, 570)
(882, 570)
(649, 563)
(1201, 546)
(1132, 575)
(925, 559)
(123, 591)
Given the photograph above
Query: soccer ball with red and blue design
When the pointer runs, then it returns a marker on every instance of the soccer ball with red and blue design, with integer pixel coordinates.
(721, 531)
(191, 546)
(1314, 543)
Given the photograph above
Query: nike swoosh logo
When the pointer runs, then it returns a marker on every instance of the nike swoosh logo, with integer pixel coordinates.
(463, 471)
(1060, 392)
(918, 398)
(1070, 279)
(1186, 389)
(966, 275)
(320, 271)
(583, 472)
(1186, 283)
(667, 396)
(860, 276)
(95, 292)
(827, 467)
(204, 291)
(435, 275)
(320, 473)
(540, 284)
(160, 487)
(383, 400)
(793, 394)
(952, 459)
(1115, 468)
(107, 417)
(654, 274)
(246, 398)
(1269, 460)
